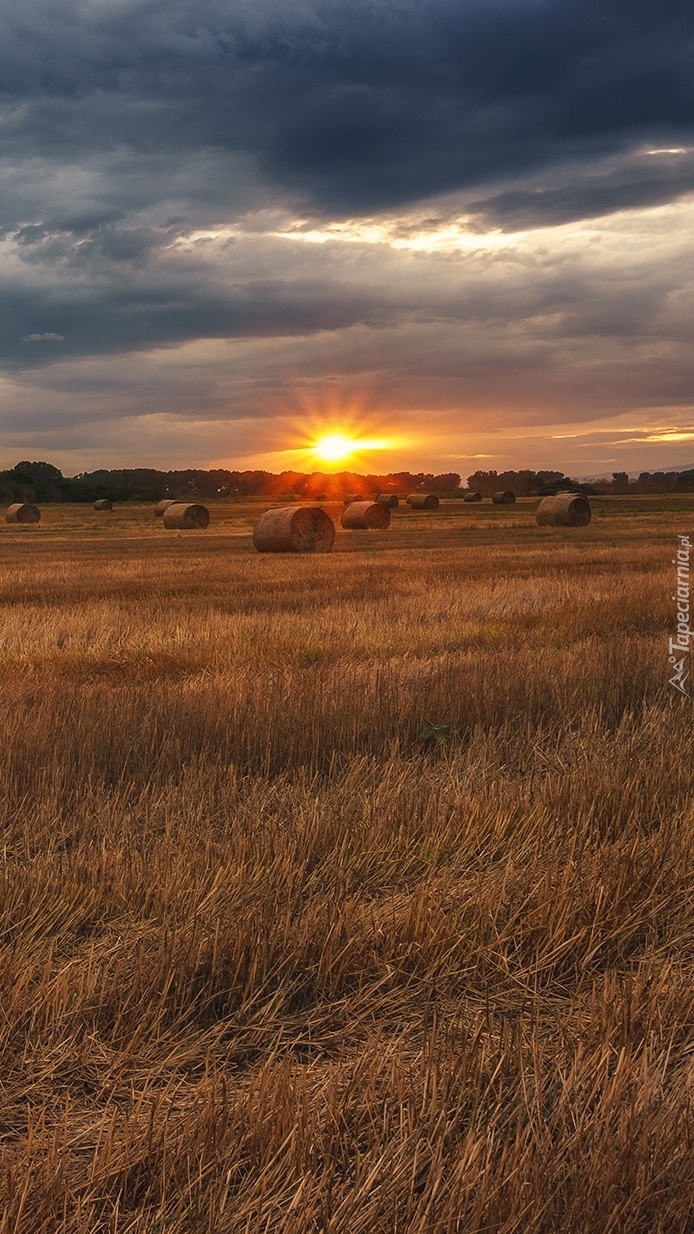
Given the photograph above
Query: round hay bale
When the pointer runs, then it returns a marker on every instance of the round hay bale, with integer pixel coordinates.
(294, 529)
(564, 510)
(389, 499)
(23, 512)
(161, 506)
(103, 504)
(423, 501)
(472, 496)
(365, 516)
(350, 497)
(320, 497)
(504, 498)
(187, 517)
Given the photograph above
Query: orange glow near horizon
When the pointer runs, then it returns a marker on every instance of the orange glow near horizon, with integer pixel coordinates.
(337, 431)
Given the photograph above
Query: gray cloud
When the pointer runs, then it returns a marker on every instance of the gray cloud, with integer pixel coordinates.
(43, 338)
(632, 182)
(116, 290)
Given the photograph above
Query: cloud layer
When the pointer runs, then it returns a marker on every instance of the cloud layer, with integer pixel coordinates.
(216, 212)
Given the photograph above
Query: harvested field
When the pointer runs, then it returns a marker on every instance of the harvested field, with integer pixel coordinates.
(347, 892)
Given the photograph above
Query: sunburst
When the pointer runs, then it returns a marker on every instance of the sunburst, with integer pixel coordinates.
(335, 447)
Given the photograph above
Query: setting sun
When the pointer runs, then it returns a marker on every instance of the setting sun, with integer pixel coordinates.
(334, 448)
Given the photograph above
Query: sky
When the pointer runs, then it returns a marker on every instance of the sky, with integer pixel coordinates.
(459, 231)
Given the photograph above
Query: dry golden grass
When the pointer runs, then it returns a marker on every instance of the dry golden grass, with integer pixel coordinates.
(274, 963)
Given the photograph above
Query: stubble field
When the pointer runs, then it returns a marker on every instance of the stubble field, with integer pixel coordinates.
(348, 893)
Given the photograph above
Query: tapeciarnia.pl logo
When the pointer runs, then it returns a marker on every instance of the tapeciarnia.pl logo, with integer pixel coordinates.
(678, 647)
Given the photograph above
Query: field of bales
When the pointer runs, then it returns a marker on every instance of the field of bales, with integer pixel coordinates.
(346, 893)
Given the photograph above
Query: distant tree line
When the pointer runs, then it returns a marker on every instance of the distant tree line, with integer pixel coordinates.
(524, 483)
(649, 482)
(542, 483)
(42, 482)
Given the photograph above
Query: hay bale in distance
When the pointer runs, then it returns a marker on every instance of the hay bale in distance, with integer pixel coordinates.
(103, 504)
(504, 498)
(391, 500)
(294, 529)
(350, 497)
(23, 512)
(365, 516)
(564, 510)
(186, 516)
(471, 496)
(423, 501)
(161, 506)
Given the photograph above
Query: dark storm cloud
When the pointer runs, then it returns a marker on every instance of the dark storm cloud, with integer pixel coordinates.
(97, 320)
(637, 182)
(427, 98)
(355, 105)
